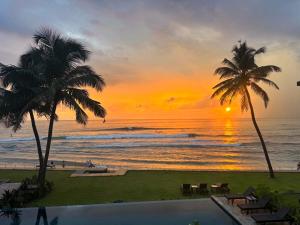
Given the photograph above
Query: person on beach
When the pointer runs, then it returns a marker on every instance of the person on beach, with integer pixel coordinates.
(63, 164)
(298, 166)
(90, 164)
(52, 165)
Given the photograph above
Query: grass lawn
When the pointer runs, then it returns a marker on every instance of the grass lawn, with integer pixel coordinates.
(148, 185)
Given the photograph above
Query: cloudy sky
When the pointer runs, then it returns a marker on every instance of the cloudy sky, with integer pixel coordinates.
(158, 56)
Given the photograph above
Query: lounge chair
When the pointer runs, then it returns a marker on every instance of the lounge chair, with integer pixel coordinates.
(202, 188)
(249, 192)
(260, 204)
(220, 188)
(282, 215)
(186, 189)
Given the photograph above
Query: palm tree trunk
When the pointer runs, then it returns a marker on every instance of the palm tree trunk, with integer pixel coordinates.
(271, 172)
(48, 145)
(38, 142)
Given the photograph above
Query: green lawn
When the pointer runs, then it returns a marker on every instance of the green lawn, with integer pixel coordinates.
(147, 185)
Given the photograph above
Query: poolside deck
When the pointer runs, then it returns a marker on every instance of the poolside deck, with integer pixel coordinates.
(233, 211)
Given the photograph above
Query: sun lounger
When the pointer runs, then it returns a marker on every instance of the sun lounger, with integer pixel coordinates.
(186, 189)
(220, 188)
(202, 188)
(249, 192)
(260, 204)
(282, 215)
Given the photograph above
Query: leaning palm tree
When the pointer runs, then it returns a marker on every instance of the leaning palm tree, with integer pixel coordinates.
(240, 74)
(64, 77)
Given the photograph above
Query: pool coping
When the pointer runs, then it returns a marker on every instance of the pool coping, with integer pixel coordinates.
(228, 209)
(124, 203)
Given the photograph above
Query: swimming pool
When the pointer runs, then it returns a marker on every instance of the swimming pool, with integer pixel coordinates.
(177, 212)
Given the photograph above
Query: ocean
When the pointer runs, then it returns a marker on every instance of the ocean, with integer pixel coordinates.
(186, 144)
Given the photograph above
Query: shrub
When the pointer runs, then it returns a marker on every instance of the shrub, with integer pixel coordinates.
(10, 199)
(296, 215)
(29, 191)
(265, 191)
(195, 222)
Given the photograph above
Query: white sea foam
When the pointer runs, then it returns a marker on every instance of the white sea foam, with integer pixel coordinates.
(105, 137)
(160, 145)
(131, 136)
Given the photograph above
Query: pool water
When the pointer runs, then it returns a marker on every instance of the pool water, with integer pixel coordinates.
(178, 212)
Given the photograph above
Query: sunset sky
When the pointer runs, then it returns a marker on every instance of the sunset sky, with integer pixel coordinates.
(158, 56)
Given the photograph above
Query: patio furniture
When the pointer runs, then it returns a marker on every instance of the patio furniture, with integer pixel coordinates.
(251, 199)
(194, 188)
(260, 204)
(282, 215)
(249, 192)
(186, 189)
(202, 188)
(220, 188)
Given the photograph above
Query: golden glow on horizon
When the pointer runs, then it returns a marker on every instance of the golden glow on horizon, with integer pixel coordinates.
(166, 98)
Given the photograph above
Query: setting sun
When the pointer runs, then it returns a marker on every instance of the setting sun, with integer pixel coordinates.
(228, 109)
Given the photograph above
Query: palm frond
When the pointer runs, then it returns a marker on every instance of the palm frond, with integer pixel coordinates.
(244, 102)
(76, 51)
(230, 64)
(260, 51)
(82, 97)
(226, 72)
(81, 116)
(46, 37)
(268, 82)
(260, 92)
(263, 71)
(222, 83)
(222, 88)
(85, 76)
(228, 95)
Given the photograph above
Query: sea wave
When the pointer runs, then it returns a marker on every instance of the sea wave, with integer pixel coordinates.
(164, 145)
(105, 137)
(131, 136)
(16, 140)
(133, 129)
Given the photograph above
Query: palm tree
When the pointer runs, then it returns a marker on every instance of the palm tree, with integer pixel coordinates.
(19, 86)
(240, 74)
(64, 75)
(50, 73)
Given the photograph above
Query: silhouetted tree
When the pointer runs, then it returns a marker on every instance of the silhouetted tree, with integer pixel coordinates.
(240, 74)
(58, 78)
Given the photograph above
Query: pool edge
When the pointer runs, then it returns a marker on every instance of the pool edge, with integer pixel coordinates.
(218, 203)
